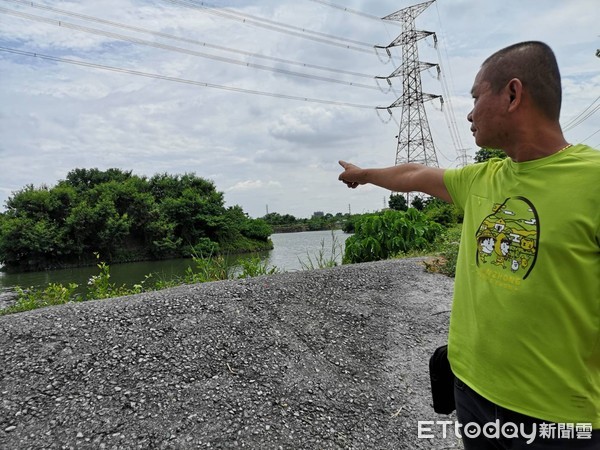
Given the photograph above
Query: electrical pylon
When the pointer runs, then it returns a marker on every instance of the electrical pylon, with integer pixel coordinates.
(415, 143)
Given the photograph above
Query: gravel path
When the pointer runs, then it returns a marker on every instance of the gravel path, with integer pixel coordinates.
(333, 358)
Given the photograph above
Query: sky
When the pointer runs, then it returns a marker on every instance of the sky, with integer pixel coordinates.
(262, 97)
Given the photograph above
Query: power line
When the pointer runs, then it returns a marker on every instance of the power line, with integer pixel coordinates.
(591, 135)
(455, 134)
(180, 80)
(348, 10)
(582, 119)
(582, 116)
(109, 34)
(279, 27)
(449, 111)
(187, 40)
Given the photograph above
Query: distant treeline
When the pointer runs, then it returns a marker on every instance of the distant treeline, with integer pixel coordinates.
(287, 223)
(122, 217)
(435, 210)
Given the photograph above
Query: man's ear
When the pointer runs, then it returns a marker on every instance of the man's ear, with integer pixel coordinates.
(515, 92)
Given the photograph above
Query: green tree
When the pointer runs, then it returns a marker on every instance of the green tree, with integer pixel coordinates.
(446, 214)
(398, 202)
(27, 242)
(122, 217)
(30, 202)
(278, 219)
(418, 203)
(85, 179)
(483, 154)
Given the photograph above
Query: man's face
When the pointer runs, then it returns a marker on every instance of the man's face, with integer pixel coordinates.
(487, 114)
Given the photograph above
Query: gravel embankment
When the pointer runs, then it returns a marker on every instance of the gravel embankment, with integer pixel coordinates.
(333, 358)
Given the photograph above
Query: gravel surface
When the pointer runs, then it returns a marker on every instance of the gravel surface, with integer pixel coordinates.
(332, 358)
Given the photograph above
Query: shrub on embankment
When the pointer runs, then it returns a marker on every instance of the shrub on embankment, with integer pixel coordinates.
(391, 234)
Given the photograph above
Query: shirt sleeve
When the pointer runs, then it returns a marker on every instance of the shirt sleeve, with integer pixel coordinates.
(458, 182)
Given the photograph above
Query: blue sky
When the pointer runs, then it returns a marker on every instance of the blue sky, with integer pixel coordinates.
(262, 151)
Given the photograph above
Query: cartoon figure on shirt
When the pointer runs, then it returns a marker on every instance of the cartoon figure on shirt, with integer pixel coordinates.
(508, 237)
(486, 246)
(501, 249)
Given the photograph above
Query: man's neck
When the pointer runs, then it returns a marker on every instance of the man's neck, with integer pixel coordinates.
(524, 152)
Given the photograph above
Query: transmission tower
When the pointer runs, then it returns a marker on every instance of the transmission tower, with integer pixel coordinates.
(414, 137)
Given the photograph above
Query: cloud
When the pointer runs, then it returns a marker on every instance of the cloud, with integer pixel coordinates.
(252, 185)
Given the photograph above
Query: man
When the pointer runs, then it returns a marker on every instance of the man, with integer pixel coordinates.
(524, 340)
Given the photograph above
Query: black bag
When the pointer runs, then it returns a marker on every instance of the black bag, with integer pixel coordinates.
(442, 381)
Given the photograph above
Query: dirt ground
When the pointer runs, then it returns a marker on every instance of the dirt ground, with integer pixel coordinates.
(327, 359)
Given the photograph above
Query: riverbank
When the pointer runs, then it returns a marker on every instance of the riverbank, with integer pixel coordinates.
(332, 358)
(291, 252)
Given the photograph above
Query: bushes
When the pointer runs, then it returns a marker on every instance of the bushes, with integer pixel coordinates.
(384, 235)
(446, 214)
(446, 247)
(394, 233)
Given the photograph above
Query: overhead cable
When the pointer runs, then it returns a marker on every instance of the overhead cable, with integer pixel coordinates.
(134, 40)
(591, 135)
(449, 110)
(279, 27)
(187, 40)
(180, 80)
(348, 10)
(582, 116)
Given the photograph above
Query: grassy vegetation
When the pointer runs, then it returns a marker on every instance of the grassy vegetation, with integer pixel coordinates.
(100, 286)
(324, 258)
(445, 252)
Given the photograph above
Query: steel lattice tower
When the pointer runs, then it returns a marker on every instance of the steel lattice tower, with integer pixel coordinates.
(415, 143)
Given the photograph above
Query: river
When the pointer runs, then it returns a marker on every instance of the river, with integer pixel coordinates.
(291, 251)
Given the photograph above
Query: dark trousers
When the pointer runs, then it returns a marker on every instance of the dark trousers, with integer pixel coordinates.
(477, 414)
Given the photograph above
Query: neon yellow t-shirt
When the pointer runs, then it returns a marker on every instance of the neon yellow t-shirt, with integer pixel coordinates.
(525, 322)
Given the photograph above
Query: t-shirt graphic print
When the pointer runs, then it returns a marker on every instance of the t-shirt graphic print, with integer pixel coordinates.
(508, 238)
